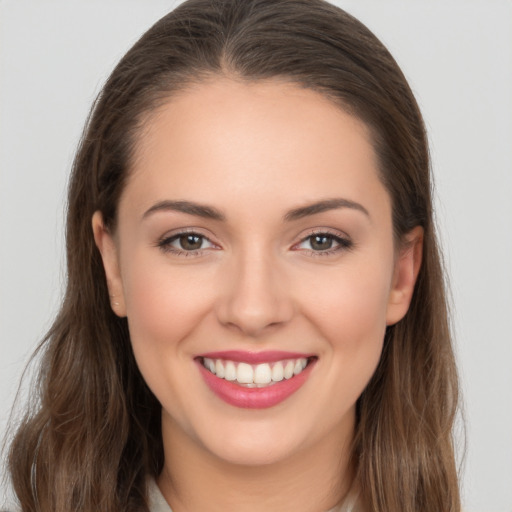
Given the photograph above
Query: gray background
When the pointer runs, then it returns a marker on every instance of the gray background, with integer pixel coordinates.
(457, 54)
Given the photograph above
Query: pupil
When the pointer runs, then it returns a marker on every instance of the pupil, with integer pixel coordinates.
(321, 242)
(190, 242)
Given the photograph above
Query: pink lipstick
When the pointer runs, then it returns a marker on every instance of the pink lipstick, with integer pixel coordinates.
(255, 380)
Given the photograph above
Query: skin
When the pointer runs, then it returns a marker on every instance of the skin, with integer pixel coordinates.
(255, 152)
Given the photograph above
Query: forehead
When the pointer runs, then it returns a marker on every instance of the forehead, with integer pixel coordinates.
(232, 137)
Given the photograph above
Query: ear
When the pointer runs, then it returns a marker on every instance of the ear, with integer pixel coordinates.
(407, 267)
(108, 251)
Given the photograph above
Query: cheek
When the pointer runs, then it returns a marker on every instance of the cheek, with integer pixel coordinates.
(353, 318)
(165, 305)
(349, 308)
(164, 302)
(353, 299)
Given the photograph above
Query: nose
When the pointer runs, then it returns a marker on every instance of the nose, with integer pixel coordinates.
(255, 297)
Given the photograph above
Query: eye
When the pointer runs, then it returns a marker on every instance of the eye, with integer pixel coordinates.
(185, 243)
(324, 243)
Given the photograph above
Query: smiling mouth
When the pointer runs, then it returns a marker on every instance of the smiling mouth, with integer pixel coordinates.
(256, 375)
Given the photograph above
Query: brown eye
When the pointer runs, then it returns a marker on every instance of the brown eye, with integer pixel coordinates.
(321, 242)
(185, 243)
(190, 242)
(324, 243)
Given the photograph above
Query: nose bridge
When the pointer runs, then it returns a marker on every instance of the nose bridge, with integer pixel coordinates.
(256, 296)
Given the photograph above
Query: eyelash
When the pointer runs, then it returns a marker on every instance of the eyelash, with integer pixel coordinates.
(342, 243)
(165, 243)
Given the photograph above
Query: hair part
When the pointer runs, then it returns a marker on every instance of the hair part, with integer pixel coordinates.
(96, 435)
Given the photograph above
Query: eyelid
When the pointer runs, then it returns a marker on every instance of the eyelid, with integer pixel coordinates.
(343, 241)
(164, 242)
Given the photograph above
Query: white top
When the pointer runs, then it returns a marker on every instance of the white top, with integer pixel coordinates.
(157, 502)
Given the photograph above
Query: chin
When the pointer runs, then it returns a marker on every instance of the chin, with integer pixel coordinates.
(260, 443)
(251, 454)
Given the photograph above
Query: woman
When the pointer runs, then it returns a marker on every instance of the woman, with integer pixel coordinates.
(256, 318)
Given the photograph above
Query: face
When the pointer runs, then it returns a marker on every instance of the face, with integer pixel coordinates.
(254, 260)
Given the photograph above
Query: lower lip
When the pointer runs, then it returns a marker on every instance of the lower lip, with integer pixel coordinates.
(254, 398)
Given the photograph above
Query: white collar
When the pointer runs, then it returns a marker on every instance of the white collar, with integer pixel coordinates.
(157, 501)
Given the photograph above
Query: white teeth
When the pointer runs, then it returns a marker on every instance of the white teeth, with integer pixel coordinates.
(277, 372)
(262, 374)
(219, 369)
(230, 371)
(245, 373)
(210, 364)
(288, 370)
(259, 375)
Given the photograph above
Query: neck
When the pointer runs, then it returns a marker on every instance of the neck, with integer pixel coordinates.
(314, 479)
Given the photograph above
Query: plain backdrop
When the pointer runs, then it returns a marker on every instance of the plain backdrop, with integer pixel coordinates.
(457, 55)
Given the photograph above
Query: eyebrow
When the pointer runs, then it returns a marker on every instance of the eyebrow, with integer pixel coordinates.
(323, 206)
(199, 210)
(209, 212)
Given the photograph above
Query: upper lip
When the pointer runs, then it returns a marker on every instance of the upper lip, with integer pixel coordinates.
(266, 356)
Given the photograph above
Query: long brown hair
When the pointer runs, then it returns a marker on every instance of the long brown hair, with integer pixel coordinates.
(94, 437)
